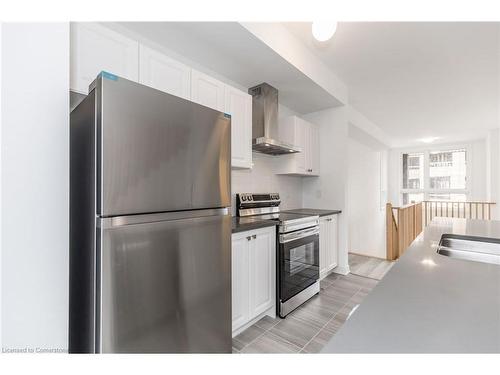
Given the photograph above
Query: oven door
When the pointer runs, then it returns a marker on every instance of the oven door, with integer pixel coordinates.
(299, 261)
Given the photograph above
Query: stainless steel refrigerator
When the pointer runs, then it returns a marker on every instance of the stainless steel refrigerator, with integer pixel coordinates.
(150, 227)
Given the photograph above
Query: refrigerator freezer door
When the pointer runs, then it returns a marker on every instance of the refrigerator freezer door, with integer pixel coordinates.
(159, 152)
(166, 285)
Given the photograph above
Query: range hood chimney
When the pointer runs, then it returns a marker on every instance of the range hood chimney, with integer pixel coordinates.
(265, 135)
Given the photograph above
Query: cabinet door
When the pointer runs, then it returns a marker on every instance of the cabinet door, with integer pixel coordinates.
(328, 243)
(323, 246)
(239, 105)
(163, 73)
(308, 147)
(314, 149)
(333, 248)
(95, 48)
(207, 91)
(262, 271)
(301, 134)
(240, 279)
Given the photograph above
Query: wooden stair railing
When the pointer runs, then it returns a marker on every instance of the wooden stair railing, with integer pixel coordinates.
(466, 210)
(403, 225)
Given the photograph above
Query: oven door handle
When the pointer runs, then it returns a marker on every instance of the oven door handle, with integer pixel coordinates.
(288, 237)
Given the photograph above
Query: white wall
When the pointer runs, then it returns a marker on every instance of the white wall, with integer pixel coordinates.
(35, 190)
(478, 188)
(329, 191)
(262, 178)
(1, 126)
(366, 211)
(492, 159)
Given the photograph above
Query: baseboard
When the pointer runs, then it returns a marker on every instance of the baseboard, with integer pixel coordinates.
(368, 256)
(327, 273)
(270, 312)
(342, 270)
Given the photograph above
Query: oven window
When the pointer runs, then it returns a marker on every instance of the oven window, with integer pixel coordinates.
(299, 265)
(300, 259)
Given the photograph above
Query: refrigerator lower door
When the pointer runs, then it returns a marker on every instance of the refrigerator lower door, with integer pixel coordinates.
(165, 283)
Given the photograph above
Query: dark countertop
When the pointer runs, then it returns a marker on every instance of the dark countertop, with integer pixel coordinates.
(242, 224)
(429, 303)
(313, 211)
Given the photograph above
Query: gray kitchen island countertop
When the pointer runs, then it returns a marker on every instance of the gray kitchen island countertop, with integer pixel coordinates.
(429, 303)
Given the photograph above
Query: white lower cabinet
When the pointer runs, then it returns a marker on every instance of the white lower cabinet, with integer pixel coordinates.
(253, 276)
(328, 244)
(240, 280)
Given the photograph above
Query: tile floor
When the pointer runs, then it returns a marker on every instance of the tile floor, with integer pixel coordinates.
(373, 268)
(310, 327)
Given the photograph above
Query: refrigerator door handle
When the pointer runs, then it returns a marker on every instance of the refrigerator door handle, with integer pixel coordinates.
(118, 221)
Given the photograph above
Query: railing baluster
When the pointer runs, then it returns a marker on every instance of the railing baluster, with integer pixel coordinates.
(462, 210)
(404, 224)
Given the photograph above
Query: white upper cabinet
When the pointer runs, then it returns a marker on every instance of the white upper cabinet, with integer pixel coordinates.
(163, 73)
(313, 147)
(95, 48)
(305, 135)
(207, 91)
(239, 105)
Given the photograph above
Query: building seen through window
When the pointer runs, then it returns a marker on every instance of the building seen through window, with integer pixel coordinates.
(434, 175)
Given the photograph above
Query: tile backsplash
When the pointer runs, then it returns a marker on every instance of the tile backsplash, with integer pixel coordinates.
(262, 179)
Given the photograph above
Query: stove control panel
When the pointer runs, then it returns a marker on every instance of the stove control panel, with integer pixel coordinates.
(253, 201)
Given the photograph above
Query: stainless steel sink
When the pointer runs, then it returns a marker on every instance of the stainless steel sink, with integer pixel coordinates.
(476, 249)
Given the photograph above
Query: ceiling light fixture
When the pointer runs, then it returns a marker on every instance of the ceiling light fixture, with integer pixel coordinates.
(428, 139)
(323, 30)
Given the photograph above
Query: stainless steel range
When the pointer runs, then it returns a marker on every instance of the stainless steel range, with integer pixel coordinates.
(297, 248)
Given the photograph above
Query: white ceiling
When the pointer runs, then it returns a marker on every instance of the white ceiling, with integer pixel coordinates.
(231, 51)
(417, 80)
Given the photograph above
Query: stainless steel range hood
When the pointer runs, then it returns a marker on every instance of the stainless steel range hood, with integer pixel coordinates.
(265, 134)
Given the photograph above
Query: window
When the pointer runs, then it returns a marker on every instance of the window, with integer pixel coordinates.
(434, 175)
(413, 171)
(412, 198)
(440, 182)
(447, 168)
